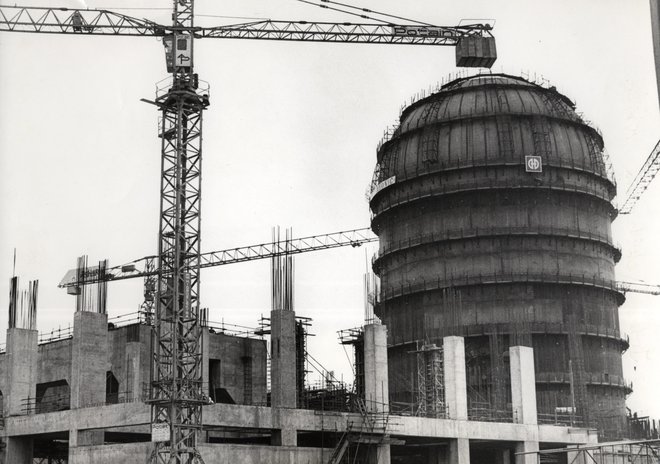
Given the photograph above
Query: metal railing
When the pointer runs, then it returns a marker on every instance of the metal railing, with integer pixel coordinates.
(431, 191)
(479, 232)
(407, 288)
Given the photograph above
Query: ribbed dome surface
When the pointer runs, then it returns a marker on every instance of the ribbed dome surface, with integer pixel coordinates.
(472, 244)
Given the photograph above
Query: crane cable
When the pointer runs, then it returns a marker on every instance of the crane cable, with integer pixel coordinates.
(344, 11)
(367, 10)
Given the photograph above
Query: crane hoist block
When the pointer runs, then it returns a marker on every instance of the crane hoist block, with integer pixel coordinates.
(476, 52)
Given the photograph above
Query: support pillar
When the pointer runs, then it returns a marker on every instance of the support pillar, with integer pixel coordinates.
(79, 438)
(523, 385)
(19, 450)
(89, 359)
(456, 451)
(527, 447)
(455, 378)
(523, 399)
(376, 390)
(283, 374)
(21, 370)
(89, 366)
(459, 448)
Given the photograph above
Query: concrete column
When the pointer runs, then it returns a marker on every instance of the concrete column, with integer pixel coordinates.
(376, 389)
(283, 374)
(527, 447)
(21, 369)
(504, 457)
(375, 368)
(459, 448)
(89, 359)
(134, 374)
(523, 398)
(455, 379)
(82, 438)
(523, 385)
(19, 450)
(89, 365)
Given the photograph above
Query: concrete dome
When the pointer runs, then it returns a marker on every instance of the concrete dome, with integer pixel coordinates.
(473, 244)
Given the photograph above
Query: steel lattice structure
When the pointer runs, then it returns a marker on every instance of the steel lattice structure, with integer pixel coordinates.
(176, 379)
(642, 180)
(146, 267)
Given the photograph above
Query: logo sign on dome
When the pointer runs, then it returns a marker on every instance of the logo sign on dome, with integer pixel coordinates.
(533, 164)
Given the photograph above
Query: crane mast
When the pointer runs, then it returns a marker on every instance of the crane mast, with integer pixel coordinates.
(176, 379)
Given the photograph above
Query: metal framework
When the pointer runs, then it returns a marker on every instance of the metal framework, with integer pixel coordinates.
(145, 267)
(638, 287)
(176, 392)
(430, 381)
(104, 22)
(642, 181)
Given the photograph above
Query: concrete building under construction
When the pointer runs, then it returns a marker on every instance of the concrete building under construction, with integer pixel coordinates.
(494, 216)
(496, 333)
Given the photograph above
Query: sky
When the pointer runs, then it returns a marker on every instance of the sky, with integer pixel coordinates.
(290, 139)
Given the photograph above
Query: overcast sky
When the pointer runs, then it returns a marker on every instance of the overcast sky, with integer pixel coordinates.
(290, 139)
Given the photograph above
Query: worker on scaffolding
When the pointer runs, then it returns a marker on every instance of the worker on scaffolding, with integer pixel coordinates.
(79, 24)
(77, 21)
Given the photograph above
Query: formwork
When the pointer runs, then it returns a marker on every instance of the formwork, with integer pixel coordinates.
(477, 241)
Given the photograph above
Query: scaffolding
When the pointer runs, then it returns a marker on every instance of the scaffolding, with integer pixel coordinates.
(302, 323)
(577, 373)
(430, 381)
(355, 338)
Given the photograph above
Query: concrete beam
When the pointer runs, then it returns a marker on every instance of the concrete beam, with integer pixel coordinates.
(260, 417)
(455, 377)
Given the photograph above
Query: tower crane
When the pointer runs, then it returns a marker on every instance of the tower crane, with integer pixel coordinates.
(176, 386)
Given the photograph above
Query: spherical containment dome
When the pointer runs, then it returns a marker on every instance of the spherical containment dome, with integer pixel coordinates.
(492, 202)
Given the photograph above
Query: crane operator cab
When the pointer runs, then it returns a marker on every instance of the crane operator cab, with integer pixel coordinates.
(178, 52)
